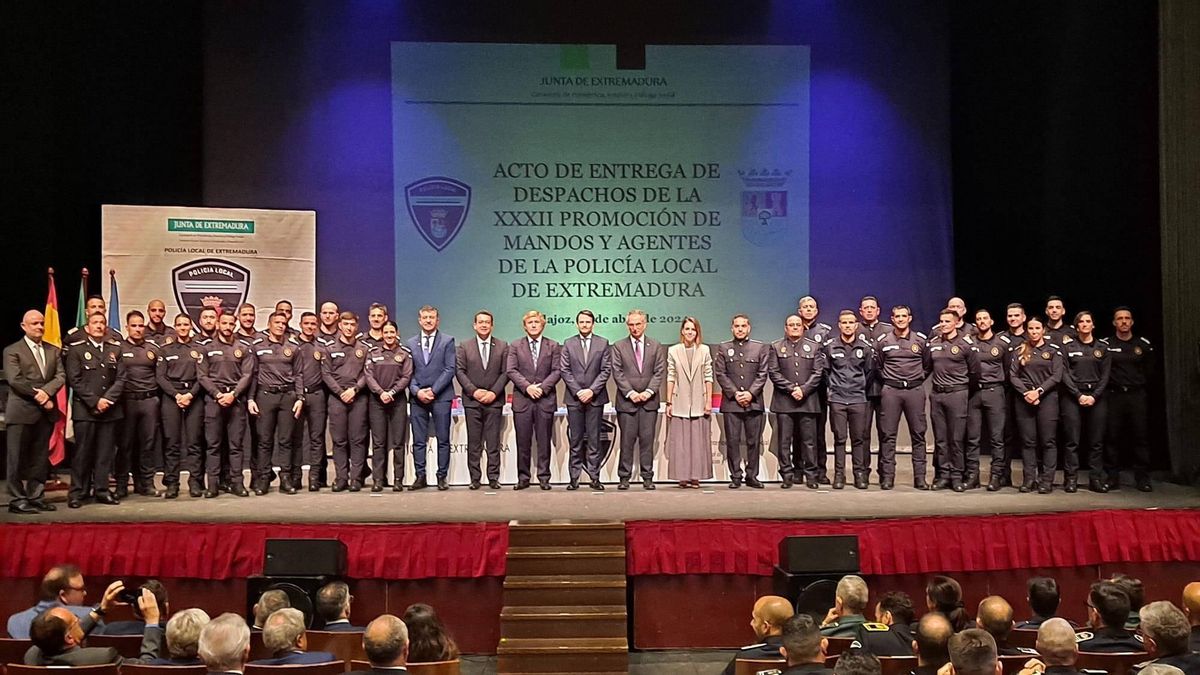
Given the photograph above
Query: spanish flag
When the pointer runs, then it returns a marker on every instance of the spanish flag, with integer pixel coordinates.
(53, 336)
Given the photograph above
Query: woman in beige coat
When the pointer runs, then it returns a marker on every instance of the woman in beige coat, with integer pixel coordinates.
(689, 406)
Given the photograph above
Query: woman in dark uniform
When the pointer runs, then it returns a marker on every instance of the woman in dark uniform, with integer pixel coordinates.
(1035, 371)
(389, 369)
(1083, 406)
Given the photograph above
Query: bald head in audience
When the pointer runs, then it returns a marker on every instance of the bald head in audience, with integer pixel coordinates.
(1191, 602)
(996, 617)
(931, 641)
(769, 615)
(385, 641)
(1056, 643)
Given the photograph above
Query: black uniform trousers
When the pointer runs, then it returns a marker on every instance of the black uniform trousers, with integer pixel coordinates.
(1127, 426)
(910, 402)
(92, 463)
(533, 424)
(310, 428)
(389, 434)
(182, 448)
(1012, 435)
(743, 427)
(988, 409)
(797, 444)
(224, 427)
(820, 443)
(28, 459)
(276, 424)
(851, 421)
(483, 434)
(948, 412)
(1086, 425)
(637, 434)
(583, 436)
(139, 430)
(1037, 426)
(348, 431)
(875, 409)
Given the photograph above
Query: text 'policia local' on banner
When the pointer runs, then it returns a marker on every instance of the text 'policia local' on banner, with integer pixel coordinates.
(196, 257)
(541, 177)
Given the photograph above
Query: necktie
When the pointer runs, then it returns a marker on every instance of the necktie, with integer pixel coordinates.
(533, 347)
(428, 347)
(484, 350)
(587, 343)
(637, 353)
(40, 357)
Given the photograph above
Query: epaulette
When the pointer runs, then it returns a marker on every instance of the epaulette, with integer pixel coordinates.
(113, 341)
(1055, 345)
(256, 340)
(406, 348)
(753, 646)
(1027, 650)
(293, 339)
(1066, 338)
(921, 335)
(753, 340)
(967, 339)
(1006, 338)
(876, 627)
(1144, 340)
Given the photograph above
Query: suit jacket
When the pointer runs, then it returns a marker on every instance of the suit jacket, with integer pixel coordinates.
(629, 379)
(24, 375)
(342, 627)
(296, 658)
(473, 373)
(152, 641)
(438, 372)
(689, 377)
(522, 371)
(592, 373)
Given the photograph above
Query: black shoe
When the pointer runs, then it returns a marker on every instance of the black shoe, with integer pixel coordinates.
(41, 505)
(261, 487)
(475, 485)
(648, 485)
(521, 485)
(623, 485)
(1098, 485)
(1113, 483)
(995, 483)
(839, 482)
(74, 504)
(147, 491)
(812, 484)
(287, 488)
(971, 482)
(443, 485)
(861, 482)
(573, 485)
(121, 492)
(788, 481)
(495, 485)
(314, 487)
(225, 487)
(545, 485)
(172, 492)
(1027, 487)
(239, 490)
(1045, 487)
(597, 486)
(941, 484)
(920, 484)
(398, 487)
(1006, 480)
(107, 498)
(957, 485)
(24, 508)
(355, 486)
(195, 490)
(1143, 485)
(735, 483)
(1071, 485)
(419, 484)
(754, 483)
(339, 486)
(210, 494)
(887, 483)
(823, 479)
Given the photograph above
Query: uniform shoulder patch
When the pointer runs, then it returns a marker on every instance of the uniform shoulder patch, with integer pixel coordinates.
(967, 339)
(1083, 636)
(753, 646)
(1027, 650)
(922, 335)
(1145, 340)
(875, 627)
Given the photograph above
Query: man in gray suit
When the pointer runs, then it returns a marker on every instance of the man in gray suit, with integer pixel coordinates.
(638, 367)
(34, 373)
(480, 373)
(585, 369)
(57, 635)
(531, 363)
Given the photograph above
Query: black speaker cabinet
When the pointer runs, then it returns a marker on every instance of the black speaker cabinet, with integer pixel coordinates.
(301, 591)
(304, 558)
(820, 555)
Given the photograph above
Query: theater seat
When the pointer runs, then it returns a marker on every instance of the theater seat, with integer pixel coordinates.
(897, 665)
(345, 646)
(1013, 664)
(837, 645)
(13, 650)
(1118, 663)
(18, 669)
(128, 646)
(331, 668)
(755, 666)
(435, 668)
(143, 669)
(1022, 637)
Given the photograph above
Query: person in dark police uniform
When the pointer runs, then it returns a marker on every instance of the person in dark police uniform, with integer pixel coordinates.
(1108, 608)
(389, 370)
(796, 367)
(986, 406)
(953, 364)
(767, 619)
(343, 368)
(276, 401)
(903, 358)
(1035, 371)
(1083, 405)
(871, 328)
(817, 331)
(96, 376)
(140, 407)
(850, 376)
(740, 370)
(310, 426)
(182, 408)
(1132, 364)
(226, 373)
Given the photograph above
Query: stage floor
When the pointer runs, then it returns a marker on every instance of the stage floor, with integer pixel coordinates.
(713, 501)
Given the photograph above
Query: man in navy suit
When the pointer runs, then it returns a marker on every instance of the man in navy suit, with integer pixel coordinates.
(284, 635)
(386, 644)
(431, 391)
(585, 369)
(333, 606)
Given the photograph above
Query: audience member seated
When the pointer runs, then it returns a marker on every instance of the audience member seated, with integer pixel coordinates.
(283, 634)
(973, 652)
(1108, 609)
(1159, 669)
(1043, 598)
(183, 638)
(57, 636)
(1137, 597)
(996, 617)
(268, 603)
(849, 603)
(1166, 632)
(856, 661)
(931, 643)
(890, 634)
(766, 619)
(385, 640)
(225, 644)
(138, 625)
(428, 639)
(1056, 647)
(944, 595)
(803, 646)
(61, 587)
(333, 606)
(1191, 607)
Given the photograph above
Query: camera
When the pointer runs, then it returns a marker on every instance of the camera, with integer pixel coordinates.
(130, 595)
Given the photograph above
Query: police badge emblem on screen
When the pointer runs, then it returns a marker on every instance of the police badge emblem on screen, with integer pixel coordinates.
(438, 207)
(764, 205)
(210, 282)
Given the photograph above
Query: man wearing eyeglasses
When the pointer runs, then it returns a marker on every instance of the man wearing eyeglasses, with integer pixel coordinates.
(61, 587)
(58, 634)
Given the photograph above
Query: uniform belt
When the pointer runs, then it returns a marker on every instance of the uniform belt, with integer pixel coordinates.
(948, 388)
(904, 384)
(140, 395)
(182, 384)
(278, 390)
(1086, 386)
(988, 385)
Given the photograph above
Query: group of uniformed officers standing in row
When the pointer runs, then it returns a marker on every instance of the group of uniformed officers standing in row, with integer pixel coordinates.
(222, 390)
